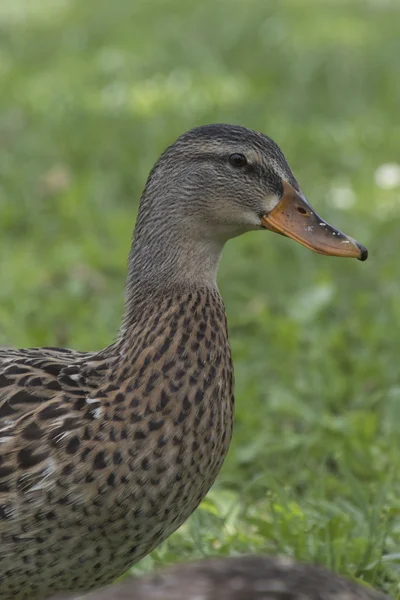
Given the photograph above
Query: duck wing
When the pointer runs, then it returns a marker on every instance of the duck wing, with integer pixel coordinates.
(45, 396)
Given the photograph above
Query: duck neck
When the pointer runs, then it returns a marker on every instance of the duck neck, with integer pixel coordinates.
(167, 258)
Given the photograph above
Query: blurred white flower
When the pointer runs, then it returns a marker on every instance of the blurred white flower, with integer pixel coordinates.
(56, 180)
(388, 176)
(342, 197)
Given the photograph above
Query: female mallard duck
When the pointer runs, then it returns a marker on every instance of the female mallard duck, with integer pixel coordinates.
(239, 578)
(104, 454)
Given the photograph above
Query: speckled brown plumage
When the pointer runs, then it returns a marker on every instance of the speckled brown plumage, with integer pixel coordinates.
(123, 463)
(104, 454)
(239, 578)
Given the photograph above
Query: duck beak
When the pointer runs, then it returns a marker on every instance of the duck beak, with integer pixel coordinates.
(294, 218)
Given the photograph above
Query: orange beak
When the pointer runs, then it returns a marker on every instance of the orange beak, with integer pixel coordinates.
(294, 218)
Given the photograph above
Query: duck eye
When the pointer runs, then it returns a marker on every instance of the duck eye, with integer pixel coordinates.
(238, 160)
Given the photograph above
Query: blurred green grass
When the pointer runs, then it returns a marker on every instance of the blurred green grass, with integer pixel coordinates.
(92, 92)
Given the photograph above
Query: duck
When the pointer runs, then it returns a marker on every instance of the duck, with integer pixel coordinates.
(238, 578)
(104, 454)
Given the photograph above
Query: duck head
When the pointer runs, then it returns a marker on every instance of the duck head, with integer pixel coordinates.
(224, 180)
(214, 183)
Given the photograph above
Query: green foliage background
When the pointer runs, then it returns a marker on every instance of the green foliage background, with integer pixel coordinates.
(91, 92)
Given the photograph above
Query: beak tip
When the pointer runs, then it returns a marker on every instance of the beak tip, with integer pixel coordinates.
(363, 252)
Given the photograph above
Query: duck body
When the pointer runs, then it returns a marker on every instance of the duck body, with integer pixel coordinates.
(108, 471)
(104, 454)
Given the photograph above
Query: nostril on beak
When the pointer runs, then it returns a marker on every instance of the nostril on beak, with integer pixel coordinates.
(301, 210)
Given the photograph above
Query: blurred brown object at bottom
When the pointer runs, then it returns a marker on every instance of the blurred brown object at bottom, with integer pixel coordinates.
(236, 578)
